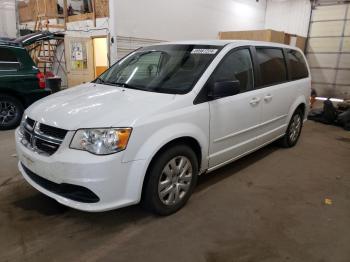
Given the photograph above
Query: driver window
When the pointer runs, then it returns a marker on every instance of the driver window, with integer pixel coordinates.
(237, 65)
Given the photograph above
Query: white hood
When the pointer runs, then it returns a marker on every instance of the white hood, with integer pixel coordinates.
(95, 105)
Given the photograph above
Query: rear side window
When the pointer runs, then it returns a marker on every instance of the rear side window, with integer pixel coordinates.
(272, 66)
(236, 66)
(8, 60)
(7, 55)
(297, 65)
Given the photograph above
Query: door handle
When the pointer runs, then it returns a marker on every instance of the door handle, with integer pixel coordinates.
(268, 98)
(254, 101)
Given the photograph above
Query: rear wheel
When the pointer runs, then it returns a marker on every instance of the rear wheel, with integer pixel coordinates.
(11, 110)
(171, 180)
(293, 131)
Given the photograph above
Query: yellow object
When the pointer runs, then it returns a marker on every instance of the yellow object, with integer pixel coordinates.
(328, 201)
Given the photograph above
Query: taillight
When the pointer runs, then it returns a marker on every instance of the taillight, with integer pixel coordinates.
(41, 78)
(49, 74)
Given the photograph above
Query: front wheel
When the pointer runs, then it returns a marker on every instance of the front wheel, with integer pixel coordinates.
(292, 134)
(11, 111)
(171, 179)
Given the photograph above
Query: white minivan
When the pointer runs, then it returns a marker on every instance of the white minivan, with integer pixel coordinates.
(155, 120)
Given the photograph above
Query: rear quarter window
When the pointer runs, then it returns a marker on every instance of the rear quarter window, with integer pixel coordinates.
(272, 65)
(7, 55)
(297, 65)
(8, 60)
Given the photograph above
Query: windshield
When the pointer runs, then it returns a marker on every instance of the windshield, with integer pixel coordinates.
(173, 69)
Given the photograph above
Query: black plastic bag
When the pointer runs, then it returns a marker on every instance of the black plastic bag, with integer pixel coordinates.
(344, 120)
(327, 116)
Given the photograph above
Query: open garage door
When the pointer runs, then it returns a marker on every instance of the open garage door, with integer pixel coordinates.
(328, 50)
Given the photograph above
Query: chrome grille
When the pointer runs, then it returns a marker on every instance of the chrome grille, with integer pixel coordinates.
(41, 138)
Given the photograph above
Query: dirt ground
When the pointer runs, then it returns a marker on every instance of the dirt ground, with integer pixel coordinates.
(268, 206)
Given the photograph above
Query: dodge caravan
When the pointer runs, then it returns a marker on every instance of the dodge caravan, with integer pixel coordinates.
(154, 121)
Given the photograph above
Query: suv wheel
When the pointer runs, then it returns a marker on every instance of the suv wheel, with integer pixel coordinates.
(293, 131)
(171, 180)
(11, 111)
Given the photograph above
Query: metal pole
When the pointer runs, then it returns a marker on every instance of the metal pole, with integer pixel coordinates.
(313, 4)
(112, 31)
(17, 18)
(340, 50)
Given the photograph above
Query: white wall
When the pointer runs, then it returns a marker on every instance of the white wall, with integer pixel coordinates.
(290, 16)
(86, 27)
(187, 19)
(7, 18)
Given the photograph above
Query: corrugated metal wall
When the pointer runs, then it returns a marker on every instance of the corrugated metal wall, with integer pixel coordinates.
(126, 45)
(328, 50)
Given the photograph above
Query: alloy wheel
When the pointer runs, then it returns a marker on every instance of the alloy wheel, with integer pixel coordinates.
(295, 128)
(8, 112)
(175, 180)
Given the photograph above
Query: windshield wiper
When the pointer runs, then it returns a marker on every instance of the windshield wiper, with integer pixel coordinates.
(100, 80)
(127, 86)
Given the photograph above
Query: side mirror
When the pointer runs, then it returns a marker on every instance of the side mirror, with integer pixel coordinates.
(224, 89)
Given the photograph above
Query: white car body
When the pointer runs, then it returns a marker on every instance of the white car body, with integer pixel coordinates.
(257, 118)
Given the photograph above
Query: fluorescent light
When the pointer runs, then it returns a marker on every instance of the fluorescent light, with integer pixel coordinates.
(332, 99)
(243, 9)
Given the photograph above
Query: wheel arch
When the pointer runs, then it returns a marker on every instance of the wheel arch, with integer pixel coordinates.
(150, 142)
(299, 103)
(13, 94)
(185, 140)
(301, 107)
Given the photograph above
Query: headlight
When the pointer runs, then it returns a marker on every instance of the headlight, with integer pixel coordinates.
(101, 141)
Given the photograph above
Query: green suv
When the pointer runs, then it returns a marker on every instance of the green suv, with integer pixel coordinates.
(21, 83)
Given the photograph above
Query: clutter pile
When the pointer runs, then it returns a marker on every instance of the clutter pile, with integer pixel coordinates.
(331, 115)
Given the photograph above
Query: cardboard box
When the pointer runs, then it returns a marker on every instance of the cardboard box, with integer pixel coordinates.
(301, 43)
(256, 35)
(267, 35)
(296, 40)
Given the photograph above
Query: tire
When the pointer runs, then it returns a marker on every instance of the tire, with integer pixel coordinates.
(293, 132)
(167, 186)
(11, 111)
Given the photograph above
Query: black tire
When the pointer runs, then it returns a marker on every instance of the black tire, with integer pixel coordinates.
(290, 140)
(11, 111)
(151, 193)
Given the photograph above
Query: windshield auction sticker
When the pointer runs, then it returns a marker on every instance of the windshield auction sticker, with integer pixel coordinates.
(204, 51)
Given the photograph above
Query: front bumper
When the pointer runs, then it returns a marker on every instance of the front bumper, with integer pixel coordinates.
(115, 183)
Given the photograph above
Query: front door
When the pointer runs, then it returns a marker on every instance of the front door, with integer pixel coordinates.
(234, 120)
(79, 60)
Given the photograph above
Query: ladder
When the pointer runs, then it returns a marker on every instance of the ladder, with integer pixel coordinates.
(45, 54)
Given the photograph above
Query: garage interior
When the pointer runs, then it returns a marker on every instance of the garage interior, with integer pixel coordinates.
(272, 205)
